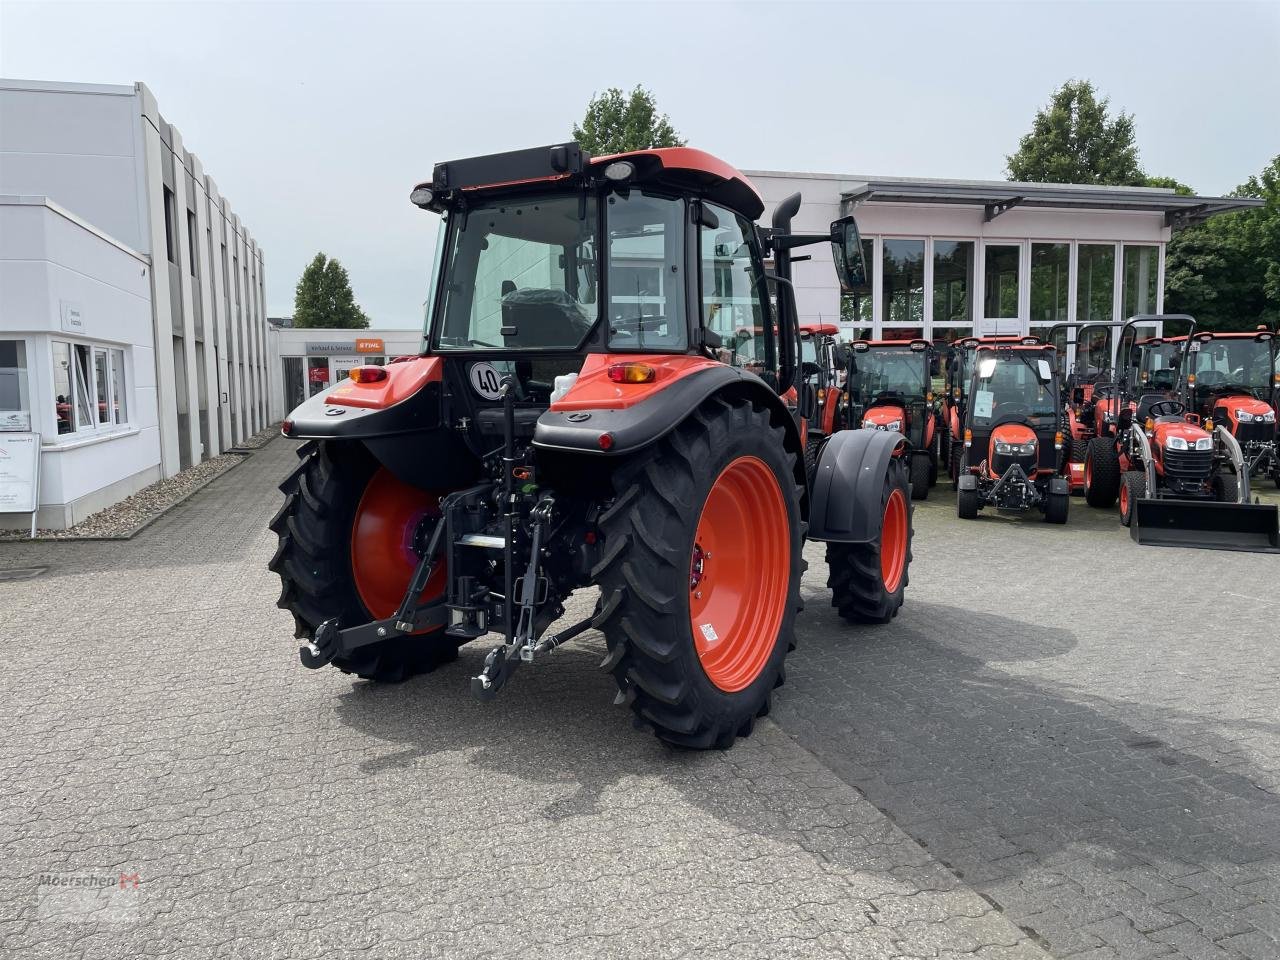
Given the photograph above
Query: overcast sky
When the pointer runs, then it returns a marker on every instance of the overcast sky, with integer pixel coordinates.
(315, 119)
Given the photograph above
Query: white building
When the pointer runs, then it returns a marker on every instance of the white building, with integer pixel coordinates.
(132, 319)
(950, 257)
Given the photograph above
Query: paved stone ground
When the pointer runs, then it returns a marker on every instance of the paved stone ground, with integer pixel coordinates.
(1098, 762)
(1085, 730)
(158, 725)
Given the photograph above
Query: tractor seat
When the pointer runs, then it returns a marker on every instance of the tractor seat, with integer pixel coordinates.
(535, 317)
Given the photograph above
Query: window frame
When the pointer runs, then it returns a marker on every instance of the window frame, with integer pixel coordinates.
(116, 384)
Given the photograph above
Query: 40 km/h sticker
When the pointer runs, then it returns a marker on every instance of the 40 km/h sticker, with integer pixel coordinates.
(486, 380)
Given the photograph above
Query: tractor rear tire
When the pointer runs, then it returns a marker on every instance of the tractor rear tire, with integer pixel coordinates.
(700, 669)
(1101, 473)
(967, 504)
(868, 580)
(920, 471)
(1226, 488)
(313, 560)
(1134, 489)
(1057, 507)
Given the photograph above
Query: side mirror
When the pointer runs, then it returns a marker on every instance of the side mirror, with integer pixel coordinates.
(810, 369)
(1044, 371)
(846, 249)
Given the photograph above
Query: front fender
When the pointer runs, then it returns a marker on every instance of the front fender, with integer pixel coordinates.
(846, 505)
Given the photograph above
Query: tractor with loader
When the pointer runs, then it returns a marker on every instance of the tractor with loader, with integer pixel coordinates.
(1179, 480)
(889, 387)
(1013, 455)
(598, 404)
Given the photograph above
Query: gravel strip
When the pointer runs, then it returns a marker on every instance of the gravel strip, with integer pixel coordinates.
(261, 438)
(122, 520)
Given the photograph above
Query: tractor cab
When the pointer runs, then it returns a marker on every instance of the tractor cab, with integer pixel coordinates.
(959, 375)
(1231, 379)
(889, 387)
(1013, 440)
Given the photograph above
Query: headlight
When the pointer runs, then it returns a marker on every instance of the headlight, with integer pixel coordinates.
(1244, 416)
(1176, 443)
(891, 425)
(1204, 443)
(1268, 417)
(1015, 449)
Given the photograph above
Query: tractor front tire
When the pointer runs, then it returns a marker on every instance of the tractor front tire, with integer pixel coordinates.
(921, 469)
(1226, 488)
(1101, 473)
(313, 560)
(967, 504)
(868, 580)
(699, 574)
(1134, 489)
(1057, 507)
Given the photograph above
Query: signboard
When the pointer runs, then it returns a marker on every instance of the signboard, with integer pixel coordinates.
(362, 345)
(20, 474)
(318, 374)
(72, 321)
(15, 420)
(342, 367)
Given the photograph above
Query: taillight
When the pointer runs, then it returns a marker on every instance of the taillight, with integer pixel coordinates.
(606, 441)
(632, 373)
(286, 428)
(369, 374)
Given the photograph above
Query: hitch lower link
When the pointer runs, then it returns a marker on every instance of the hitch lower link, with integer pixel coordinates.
(331, 642)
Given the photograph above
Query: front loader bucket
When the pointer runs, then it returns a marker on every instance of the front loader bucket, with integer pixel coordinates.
(1207, 525)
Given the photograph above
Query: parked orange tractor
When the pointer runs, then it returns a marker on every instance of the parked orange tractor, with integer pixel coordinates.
(598, 404)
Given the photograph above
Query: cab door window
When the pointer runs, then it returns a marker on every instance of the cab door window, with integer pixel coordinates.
(732, 300)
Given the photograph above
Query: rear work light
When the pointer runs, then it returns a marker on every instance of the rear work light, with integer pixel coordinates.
(632, 373)
(369, 374)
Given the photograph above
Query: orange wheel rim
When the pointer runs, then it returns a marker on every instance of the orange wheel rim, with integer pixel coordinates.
(739, 573)
(1088, 472)
(893, 541)
(382, 540)
(1124, 500)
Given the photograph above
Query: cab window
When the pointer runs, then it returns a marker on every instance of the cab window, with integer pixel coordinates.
(732, 301)
(646, 272)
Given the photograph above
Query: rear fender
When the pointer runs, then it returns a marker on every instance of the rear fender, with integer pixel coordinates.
(631, 428)
(407, 401)
(845, 506)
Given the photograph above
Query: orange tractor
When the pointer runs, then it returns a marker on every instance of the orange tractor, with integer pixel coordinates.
(889, 387)
(959, 375)
(598, 404)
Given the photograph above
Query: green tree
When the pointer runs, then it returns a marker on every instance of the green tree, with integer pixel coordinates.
(1225, 272)
(1177, 186)
(616, 122)
(324, 298)
(1074, 140)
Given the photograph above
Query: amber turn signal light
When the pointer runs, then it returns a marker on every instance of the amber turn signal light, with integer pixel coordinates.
(632, 373)
(368, 374)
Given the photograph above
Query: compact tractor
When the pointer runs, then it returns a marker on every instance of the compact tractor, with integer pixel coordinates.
(959, 374)
(1013, 457)
(1179, 481)
(597, 404)
(889, 388)
(1232, 379)
(1084, 351)
(822, 366)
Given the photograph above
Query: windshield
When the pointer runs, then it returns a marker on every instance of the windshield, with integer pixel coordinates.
(521, 275)
(1242, 363)
(1013, 387)
(1158, 364)
(882, 371)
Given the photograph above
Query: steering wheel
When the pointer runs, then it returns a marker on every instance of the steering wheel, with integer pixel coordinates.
(1167, 408)
(1012, 408)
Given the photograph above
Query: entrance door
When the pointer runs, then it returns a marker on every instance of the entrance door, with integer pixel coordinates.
(295, 389)
(1002, 289)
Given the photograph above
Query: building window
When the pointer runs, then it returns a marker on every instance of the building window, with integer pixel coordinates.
(902, 286)
(1000, 300)
(952, 282)
(1095, 282)
(1141, 274)
(89, 387)
(170, 241)
(191, 242)
(15, 401)
(1050, 272)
